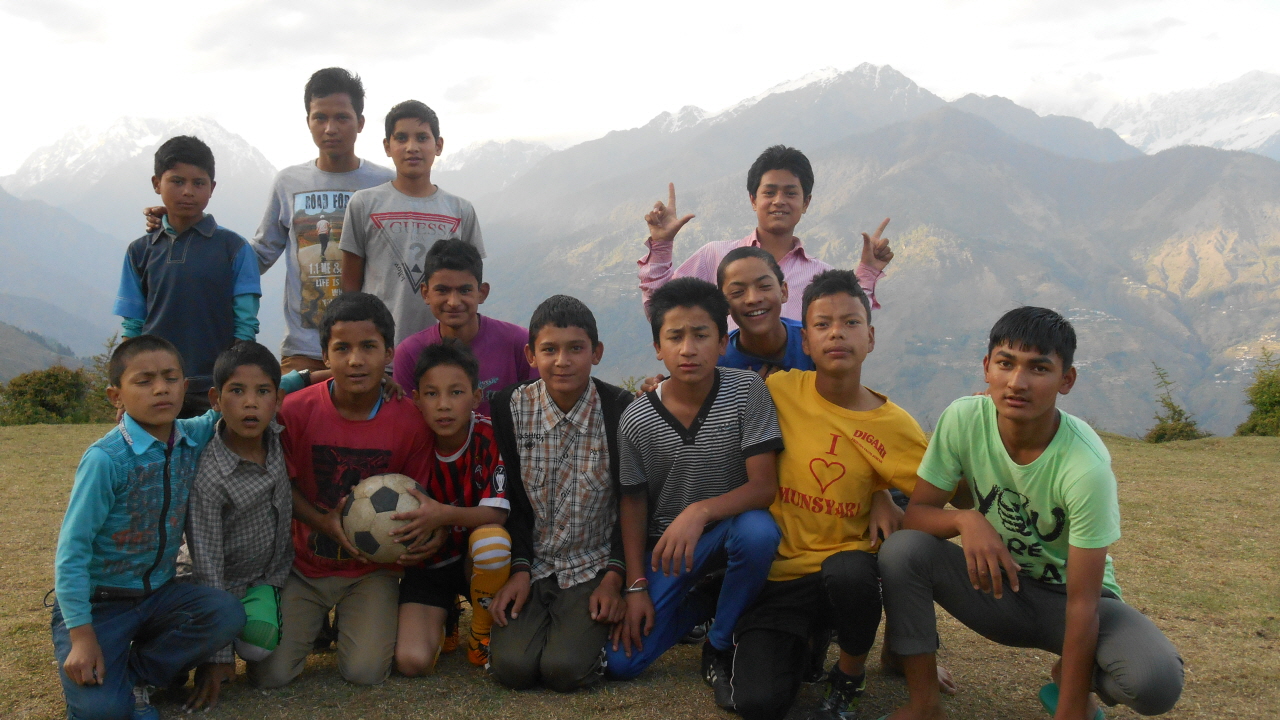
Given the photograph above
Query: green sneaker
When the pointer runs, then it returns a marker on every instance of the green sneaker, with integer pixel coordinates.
(842, 697)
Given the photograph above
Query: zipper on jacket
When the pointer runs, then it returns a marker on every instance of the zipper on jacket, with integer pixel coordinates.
(163, 530)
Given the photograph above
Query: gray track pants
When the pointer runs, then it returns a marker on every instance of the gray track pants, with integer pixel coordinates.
(1137, 665)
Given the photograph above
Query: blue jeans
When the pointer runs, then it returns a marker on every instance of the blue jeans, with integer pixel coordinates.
(151, 641)
(744, 545)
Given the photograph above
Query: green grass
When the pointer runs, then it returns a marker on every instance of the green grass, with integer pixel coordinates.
(1200, 556)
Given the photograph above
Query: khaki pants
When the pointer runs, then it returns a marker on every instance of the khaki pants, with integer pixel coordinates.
(368, 606)
(554, 640)
(289, 363)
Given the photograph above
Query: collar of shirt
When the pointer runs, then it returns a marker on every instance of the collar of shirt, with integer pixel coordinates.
(141, 440)
(205, 226)
(797, 247)
(579, 415)
(226, 459)
(376, 406)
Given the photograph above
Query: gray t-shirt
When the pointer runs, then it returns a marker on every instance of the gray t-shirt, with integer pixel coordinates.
(392, 232)
(305, 217)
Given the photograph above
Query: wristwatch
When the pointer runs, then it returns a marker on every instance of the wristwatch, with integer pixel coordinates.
(306, 376)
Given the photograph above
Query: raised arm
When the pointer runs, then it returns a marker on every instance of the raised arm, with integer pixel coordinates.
(663, 222)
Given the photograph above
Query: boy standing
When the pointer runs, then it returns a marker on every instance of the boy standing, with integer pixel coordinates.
(191, 281)
(845, 446)
(119, 625)
(698, 472)
(338, 433)
(388, 229)
(241, 510)
(1045, 512)
(467, 496)
(453, 288)
(559, 436)
(304, 217)
(780, 186)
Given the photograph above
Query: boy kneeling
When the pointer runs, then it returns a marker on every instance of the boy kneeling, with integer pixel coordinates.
(1045, 500)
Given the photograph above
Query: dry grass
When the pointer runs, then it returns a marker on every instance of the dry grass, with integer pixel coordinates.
(1201, 556)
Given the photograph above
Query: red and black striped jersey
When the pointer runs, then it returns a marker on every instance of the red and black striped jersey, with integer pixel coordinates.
(471, 477)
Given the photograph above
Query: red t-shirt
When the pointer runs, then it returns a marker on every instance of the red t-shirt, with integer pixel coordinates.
(327, 455)
(471, 477)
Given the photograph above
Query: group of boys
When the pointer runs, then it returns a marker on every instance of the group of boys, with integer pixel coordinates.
(746, 491)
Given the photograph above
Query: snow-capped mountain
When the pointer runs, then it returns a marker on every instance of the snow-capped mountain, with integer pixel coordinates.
(103, 177)
(485, 167)
(1243, 114)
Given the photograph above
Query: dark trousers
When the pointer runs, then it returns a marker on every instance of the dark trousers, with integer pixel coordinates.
(1136, 664)
(554, 640)
(775, 637)
(148, 641)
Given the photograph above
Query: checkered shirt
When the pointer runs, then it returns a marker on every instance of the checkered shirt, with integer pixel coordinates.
(564, 466)
(239, 521)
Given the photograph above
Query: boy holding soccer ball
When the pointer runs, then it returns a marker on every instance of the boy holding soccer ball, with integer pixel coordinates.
(337, 433)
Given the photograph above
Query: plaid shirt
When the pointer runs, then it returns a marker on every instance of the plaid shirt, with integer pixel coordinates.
(239, 521)
(564, 464)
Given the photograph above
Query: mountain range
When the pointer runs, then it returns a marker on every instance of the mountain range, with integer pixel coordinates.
(1171, 257)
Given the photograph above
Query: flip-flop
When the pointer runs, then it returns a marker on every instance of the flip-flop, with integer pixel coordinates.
(1049, 700)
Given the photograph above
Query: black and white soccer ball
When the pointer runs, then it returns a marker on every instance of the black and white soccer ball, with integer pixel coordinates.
(366, 518)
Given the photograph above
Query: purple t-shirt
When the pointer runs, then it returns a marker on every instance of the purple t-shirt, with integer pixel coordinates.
(499, 346)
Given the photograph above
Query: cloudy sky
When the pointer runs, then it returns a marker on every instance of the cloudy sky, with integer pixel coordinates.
(568, 70)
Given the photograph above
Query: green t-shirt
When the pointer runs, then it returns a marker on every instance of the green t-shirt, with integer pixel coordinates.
(1067, 496)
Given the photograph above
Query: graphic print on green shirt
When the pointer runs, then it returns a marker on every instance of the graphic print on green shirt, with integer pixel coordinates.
(1065, 497)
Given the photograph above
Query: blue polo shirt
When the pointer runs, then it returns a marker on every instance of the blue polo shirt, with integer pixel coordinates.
(184, 287)
(793, 359)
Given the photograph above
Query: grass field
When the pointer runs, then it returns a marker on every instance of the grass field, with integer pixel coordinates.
(1200, 556)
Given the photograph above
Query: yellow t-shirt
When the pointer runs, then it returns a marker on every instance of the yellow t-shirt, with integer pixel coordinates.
(833, 460)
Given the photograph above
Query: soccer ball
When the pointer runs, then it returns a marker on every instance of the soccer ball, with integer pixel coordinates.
(366, 518)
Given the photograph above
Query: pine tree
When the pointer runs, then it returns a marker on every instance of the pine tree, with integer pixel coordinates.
(1175, 423)
(1264, 396)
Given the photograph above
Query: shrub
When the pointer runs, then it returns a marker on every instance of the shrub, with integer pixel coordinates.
(1264, 396)
(1175, 423)
(53, 395)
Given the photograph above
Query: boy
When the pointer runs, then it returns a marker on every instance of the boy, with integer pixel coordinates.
(119, 625)
(845, 445)
(780, 186)
(698, 473)
(387, 229)
(466, 495)
(559, 436)
(191, 281)
(241, 509)
(453, 288)
(763, 340)
(1046, 510)
(337, 433)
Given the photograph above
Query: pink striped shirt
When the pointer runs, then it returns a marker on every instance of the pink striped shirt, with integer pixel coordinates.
(797, 267)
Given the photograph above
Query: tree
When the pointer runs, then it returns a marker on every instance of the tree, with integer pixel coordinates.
(1175, 423)
(1264, 396)
(52, 395)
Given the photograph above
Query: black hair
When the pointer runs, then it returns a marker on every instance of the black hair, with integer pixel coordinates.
(563, 312)
(748, 251)
(688, 292)
(449, 351)
(453, 254)
(132, 348)
(416, 110)
(357, 307)
(331, 81)
(833, 282)
(1035, 328)
(245, 352)
(184, 149)
(781, 157)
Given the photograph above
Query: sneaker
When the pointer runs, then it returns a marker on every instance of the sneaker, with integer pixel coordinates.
(452, 638)
(142, 707)
(717, 671)
(697, 634)
(451, 641)
(842, 697)
(477, 650)
(816, 670)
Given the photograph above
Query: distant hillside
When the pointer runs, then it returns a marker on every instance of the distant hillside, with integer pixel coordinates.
(21, 353)
(1168, 258)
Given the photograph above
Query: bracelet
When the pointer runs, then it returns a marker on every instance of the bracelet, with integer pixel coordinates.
(640, 585)
(306, 376)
